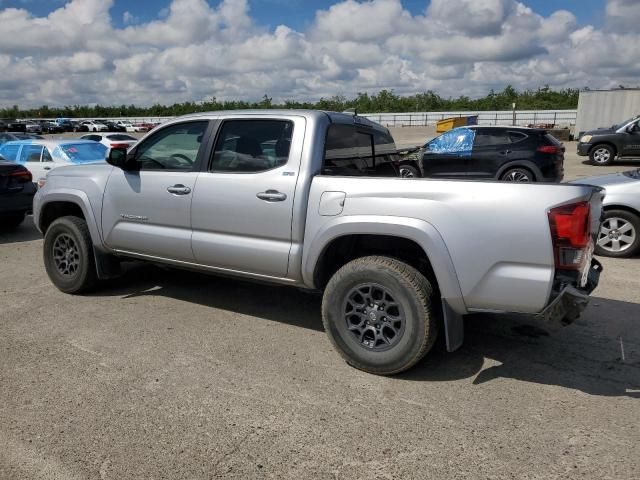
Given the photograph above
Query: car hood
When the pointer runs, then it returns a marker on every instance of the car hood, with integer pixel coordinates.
(600, 131)
(624, 180)
(82, 170)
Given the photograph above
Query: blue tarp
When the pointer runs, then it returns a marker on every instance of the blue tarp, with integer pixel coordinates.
(458, 140)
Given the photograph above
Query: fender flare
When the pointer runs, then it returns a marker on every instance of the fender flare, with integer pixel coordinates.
(419, 231)
(77, 197)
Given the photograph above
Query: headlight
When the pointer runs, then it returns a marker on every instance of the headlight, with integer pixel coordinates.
(585, 138)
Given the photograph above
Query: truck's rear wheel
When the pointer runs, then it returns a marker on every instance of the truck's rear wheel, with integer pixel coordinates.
(378, 314)
(68, 255)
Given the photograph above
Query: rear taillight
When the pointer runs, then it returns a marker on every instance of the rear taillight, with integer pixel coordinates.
(548, 149)
(119, 145)
(22, 176)
(571, 234)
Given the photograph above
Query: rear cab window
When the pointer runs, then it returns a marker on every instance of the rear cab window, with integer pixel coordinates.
(352, 150)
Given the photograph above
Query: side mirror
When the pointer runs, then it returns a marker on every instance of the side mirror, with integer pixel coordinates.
(118, 158)
(632, 128)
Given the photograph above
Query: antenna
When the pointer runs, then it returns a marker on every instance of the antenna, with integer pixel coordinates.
(351, 111)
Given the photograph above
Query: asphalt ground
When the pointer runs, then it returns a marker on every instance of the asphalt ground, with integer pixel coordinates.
(176, 375)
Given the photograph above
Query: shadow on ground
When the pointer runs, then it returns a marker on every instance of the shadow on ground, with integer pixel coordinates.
(25, 232)
(272, 302)
(634, 163)
(599, 355)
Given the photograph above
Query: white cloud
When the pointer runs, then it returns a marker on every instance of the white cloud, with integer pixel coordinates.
(193, 50)
(623, 15)
(129, 18)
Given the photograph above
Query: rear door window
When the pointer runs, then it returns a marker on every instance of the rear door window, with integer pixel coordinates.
(30, 153)
(252, 146)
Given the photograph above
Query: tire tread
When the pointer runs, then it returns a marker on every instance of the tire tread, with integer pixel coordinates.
(420, 286)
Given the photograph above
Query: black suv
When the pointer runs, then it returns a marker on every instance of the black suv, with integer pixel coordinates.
(513, 154)
(605, 144)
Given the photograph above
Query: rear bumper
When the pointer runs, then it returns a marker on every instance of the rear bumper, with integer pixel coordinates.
(18, 202)
(583, 149)
(571, 301)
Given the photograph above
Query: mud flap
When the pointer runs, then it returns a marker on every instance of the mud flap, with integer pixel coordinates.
(453, 327)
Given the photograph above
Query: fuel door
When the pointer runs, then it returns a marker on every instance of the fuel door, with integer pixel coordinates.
(331, 203)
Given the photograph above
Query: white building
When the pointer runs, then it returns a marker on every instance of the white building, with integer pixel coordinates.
(603, 108)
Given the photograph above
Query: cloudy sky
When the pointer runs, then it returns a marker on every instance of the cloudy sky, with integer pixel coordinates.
(60, 52)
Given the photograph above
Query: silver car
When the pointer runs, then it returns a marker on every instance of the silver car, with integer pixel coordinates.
(620, 230)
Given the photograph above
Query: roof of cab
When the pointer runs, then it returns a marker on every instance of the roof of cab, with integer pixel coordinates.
(333, 117)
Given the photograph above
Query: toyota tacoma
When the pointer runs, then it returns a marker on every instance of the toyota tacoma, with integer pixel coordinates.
(313, 199)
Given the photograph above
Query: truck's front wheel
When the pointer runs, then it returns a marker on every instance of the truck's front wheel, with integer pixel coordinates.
(68, 255)
(378, 314)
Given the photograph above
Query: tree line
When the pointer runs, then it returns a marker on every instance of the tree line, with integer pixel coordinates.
(543, 98)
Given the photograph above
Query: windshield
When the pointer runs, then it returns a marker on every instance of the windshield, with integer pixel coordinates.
(622, 124)
(84, 152)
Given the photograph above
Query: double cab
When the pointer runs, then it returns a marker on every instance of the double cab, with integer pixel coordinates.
(312, 199)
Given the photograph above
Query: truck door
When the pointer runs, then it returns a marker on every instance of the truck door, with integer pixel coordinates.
(147, 210)
(243, 204)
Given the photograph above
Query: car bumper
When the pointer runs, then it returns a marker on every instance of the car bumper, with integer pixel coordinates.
(572, 300)
(583, 149)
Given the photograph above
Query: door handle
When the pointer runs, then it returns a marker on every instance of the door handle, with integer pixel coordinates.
(505, 152)
(272, 196)
(179, 189)
(47, 168)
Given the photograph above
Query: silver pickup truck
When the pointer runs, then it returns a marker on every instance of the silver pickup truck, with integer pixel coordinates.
(312, 199)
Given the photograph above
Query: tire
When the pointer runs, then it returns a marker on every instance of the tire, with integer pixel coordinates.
(519, 175)
(400, 284)
(619, 235)
(409, 171)
(69, 238)
(602, 155)
(11, 220)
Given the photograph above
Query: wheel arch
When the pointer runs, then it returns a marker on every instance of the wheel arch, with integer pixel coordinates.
(608, 143)
(525, 164)
(58, 204)
(626, 208)
(414, 241)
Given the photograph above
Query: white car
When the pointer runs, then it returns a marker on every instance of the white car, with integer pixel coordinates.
(42, 156)
(111, 140)
(95, 127)
(127, 125)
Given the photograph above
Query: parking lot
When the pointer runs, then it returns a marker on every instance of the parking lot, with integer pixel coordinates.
(166, 374)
